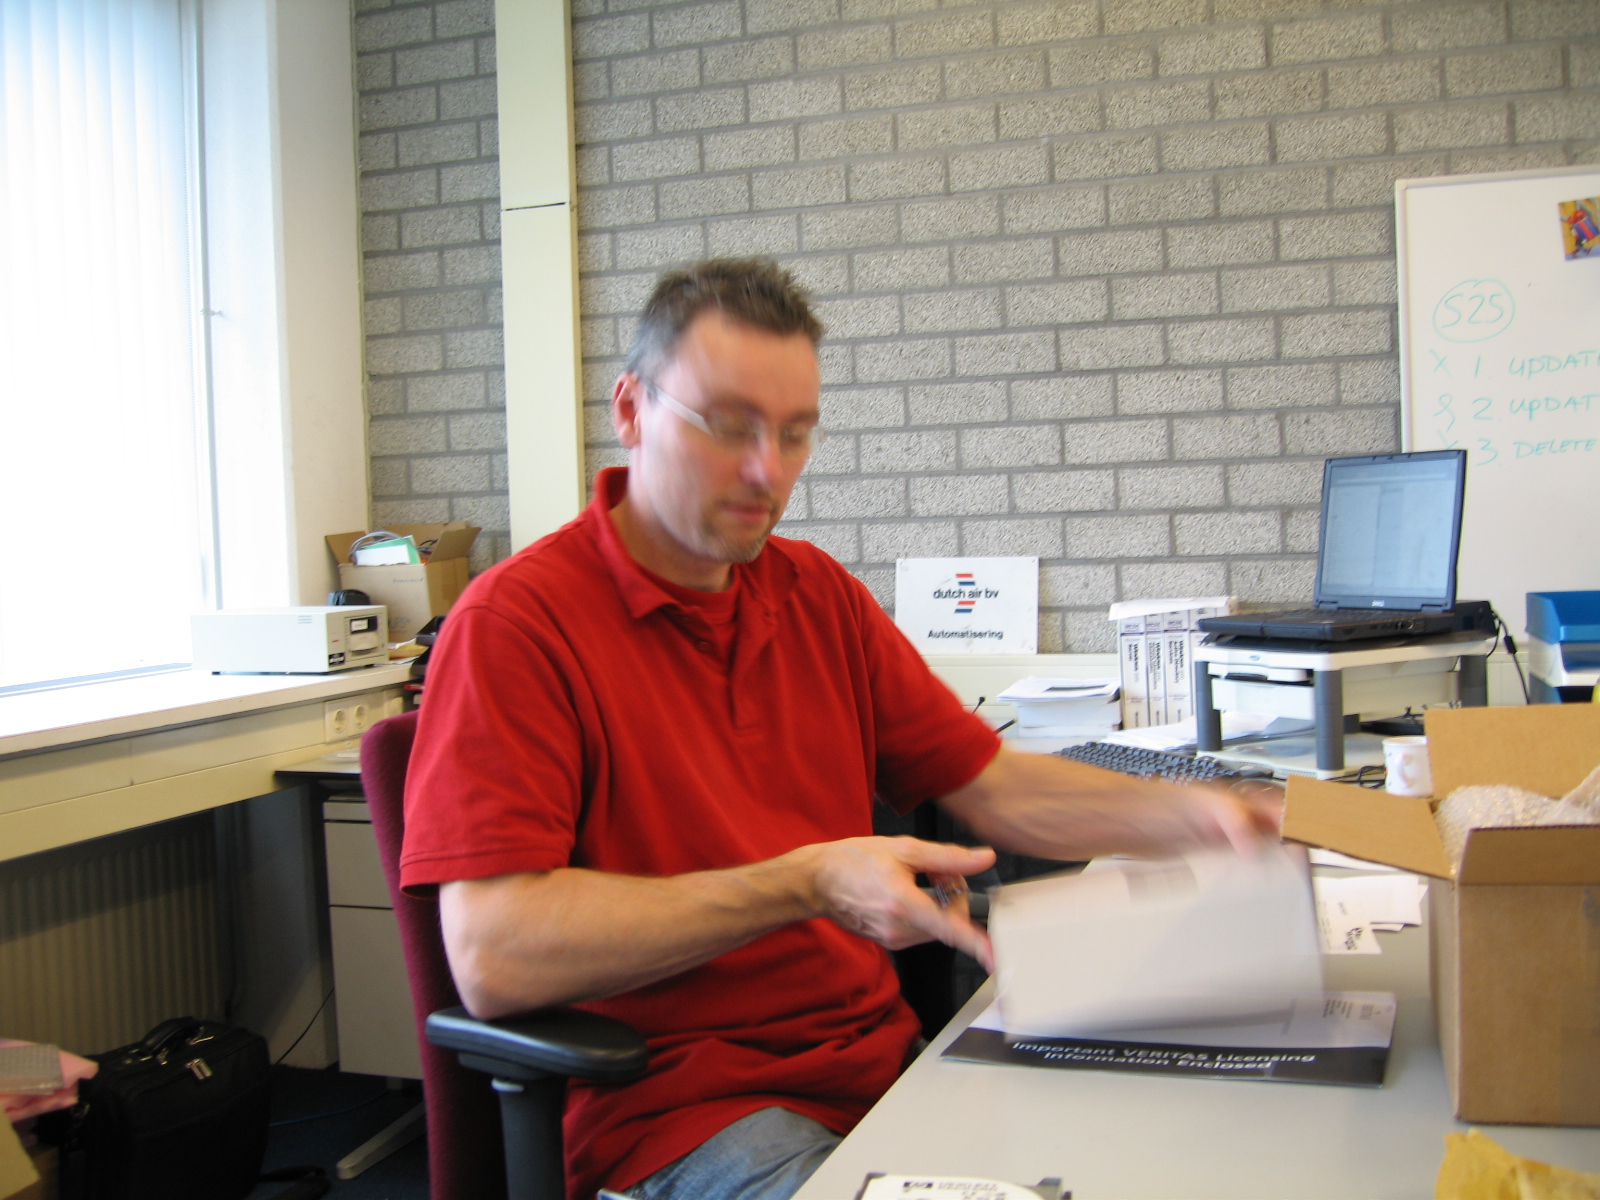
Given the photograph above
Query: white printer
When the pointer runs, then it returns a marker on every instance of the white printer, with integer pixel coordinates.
(309, 640)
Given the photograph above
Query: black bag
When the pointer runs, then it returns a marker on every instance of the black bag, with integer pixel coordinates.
(180, 1115)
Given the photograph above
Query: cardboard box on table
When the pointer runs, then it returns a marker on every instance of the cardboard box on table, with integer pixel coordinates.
(414, 593)
(1516, 936)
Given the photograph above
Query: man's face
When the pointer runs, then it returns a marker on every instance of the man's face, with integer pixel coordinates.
(718, 500)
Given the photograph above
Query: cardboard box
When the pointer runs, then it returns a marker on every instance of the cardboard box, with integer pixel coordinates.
(414, 593)
(1516, 936)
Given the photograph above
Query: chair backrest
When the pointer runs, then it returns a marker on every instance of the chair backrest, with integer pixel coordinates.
(466, 1157)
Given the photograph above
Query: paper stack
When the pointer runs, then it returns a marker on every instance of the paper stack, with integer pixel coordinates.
(1209, 937)
(1064, 708)
(1352, 909)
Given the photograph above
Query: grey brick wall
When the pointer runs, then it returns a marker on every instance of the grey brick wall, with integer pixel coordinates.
(430, 193)
(1104, 279)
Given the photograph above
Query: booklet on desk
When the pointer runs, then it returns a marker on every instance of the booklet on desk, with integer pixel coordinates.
(1336, 1037)
(950, 1187)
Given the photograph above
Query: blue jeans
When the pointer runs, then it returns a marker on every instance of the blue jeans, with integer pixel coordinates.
(764, 1156)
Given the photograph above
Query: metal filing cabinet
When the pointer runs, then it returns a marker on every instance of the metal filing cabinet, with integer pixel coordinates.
(377, 1031)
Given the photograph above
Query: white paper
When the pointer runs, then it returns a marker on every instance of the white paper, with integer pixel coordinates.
(1332, 858)
(1387, 899)
(1083, 731)
(383, 556)
(943, 1187)
(1353, 907)
(968, 605)
(1182, 733)
(1342, 931)
(1134, 943)
(1315, 1021)
(1146, 608)
(1037, 688)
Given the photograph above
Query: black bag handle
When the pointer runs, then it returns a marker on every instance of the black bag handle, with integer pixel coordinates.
(168, 1033)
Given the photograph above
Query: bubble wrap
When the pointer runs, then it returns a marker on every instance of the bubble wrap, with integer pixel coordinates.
(1500, 806)
(1491, 807)
(1581, 806)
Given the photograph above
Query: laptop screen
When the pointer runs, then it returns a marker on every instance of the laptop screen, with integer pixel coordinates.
(1391, 525)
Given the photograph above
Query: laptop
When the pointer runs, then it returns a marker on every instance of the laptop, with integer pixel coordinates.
(1386, 561)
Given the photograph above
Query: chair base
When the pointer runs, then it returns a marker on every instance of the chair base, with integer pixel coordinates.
(530, 1121)
(399, 1133)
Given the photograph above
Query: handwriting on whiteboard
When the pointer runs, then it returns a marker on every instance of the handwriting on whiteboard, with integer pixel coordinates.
(1483, 403)
(1475, 310)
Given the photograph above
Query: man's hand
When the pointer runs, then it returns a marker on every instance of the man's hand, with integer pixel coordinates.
(868, 886)
(1055, 808)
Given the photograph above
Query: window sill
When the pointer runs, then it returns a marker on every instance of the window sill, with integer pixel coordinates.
(51, 720)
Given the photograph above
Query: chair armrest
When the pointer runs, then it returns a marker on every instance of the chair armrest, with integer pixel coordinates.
(550, 1041)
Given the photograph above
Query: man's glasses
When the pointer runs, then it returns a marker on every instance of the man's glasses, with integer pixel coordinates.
(740, 433)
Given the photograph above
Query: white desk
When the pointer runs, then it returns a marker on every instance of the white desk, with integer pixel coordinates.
(81, 762)
(130, 928)
(1145, 1136)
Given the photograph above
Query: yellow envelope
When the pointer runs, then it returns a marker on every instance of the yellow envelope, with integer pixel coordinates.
(1477, 1167)
(16, 1168)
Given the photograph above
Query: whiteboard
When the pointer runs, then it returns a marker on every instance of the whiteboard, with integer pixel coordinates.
(1500, 356)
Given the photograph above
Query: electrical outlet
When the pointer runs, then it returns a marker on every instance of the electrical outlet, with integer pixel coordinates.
(351, 716)
(338, 720)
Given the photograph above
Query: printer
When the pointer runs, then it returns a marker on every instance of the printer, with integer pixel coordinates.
(306, 640)
(1563, 646)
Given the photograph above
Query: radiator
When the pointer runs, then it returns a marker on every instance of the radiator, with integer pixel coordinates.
(101, 940)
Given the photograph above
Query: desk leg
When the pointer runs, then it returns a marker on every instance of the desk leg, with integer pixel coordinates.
(1329, 713)
(1207, 720)
(1473, 684)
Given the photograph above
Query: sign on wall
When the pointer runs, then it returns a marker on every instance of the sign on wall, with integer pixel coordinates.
(968, 605)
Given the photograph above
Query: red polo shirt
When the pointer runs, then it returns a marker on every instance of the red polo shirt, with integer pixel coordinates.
(579, 713)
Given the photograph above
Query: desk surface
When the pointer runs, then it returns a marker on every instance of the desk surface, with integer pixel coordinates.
(44, 720)
(1131, 1136)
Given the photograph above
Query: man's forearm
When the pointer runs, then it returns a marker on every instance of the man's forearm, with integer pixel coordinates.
(1051, 807)
(527, 941)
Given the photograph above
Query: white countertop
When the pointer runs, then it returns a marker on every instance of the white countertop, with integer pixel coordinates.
(47, 720)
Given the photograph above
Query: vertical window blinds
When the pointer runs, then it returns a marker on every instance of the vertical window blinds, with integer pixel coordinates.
(105, 490)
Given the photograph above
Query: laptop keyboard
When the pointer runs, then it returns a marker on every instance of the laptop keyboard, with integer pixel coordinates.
(1362, 615)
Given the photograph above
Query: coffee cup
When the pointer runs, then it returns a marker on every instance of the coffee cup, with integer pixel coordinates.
(1405, 763)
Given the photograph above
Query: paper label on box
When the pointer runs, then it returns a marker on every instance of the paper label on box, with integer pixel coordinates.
(1135, 686)
(1176, 672)
(968, 605)
(1155, 673)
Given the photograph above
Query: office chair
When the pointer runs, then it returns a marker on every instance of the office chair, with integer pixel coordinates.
(524, 1060)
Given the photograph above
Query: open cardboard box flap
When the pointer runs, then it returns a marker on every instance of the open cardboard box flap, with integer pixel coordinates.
(452, 539)
(1545, 748)
(1395, 830)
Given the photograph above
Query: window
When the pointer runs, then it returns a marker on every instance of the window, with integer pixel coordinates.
(105, 475)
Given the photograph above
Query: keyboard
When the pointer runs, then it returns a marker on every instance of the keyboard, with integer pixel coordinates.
(1151, 764)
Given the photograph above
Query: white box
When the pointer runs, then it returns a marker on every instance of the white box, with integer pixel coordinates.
(1167, 628)
(311, 640)
(1135, 685)
(1155, 675)
(1178, 673)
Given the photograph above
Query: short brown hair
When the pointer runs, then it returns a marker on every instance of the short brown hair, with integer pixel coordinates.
(752, 291)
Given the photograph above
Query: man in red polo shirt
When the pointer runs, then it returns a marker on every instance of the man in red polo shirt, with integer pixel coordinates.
(644, 776)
